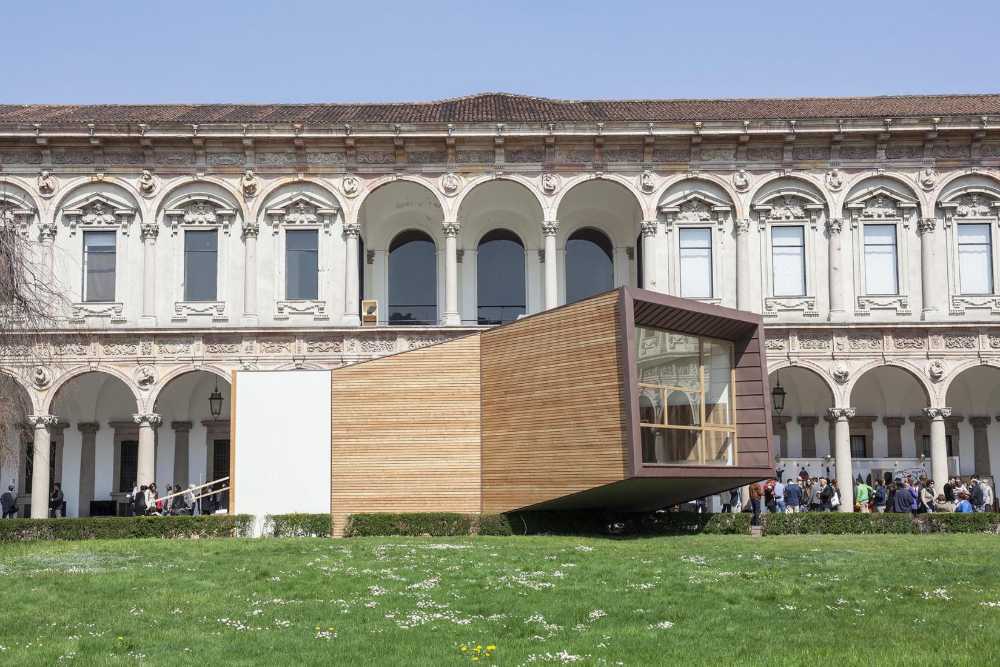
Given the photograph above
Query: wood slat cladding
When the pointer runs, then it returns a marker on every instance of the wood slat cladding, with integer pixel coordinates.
(406, 432)
(554, 420)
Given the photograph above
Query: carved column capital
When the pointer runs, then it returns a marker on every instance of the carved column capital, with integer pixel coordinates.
(352, 230)
(894, 422)
(47, 231)
(834, 226)
(150, 419)
(742, 226)
(180, 426)
(808, 420)
(43, 420)
(648, 228)
(841, 413)
(550, 227)
(251, 230)
(926, 225)
(450, 228)
(937, 413)
(88, 427)
(979, 423)
(149, 231)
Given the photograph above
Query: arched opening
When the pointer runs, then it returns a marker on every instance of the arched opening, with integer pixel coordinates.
(975, 394)
(889, 425)
(500, 277)
(796, 441)
(15, 406)
(590, 267)
(412, 279)
(95, 446)
(194, 443)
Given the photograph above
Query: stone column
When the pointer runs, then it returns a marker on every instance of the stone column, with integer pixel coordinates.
(833, 231)
(808, 426)
(650, 263)
(148, 232)
(549, 230)
(842, 454)
(939, 444)
(146, 468)
(744, 269)
(250, 232)
(928, 291)
(451, 315)
(981, 445)
(182, 434)
(352, 297)
(40, 481)
(87, 454)
(893, 436)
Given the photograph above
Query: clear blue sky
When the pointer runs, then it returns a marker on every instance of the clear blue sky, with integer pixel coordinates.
(378, 50)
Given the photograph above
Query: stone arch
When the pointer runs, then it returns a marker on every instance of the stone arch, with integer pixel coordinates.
(18, 200)
(778, 185)
(32, 404)
(122, 204)
(867, 184)
(455, 210)
(273, 192)
(671, 183)
(954, 374)
(208, 188)
(58, 388)
(184, 370)
(821, 374)
(928, 392)
(946, 189)
(430, 223)
(554, 212)
(621, 185)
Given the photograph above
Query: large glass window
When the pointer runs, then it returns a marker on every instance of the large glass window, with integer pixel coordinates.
(99, 266)
(590, 268)
(696, 262)
(788, 260)
(302, 264)
(412, 279)
(128, 465)
(500, 277)
(685, 399)
(975, 259)
(881, 276)
(201, 265)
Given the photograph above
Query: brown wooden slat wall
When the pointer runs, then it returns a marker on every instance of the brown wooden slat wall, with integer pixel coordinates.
(406, 433)
(553, 407)
(753, 440)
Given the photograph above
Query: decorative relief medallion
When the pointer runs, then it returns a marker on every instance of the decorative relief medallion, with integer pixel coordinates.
(47, 184)
(840, 373)
(550, 183)
(250, 184)
(41, 377)
(147, 183)
(741, 180)
(450, 183)
(935, 370)
(927, 178)
(994, 341)
(834, 180)
(350, 185)
(647, 181)
(145, 376)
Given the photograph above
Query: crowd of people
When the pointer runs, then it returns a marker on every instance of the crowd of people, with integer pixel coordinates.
(905, 494)
(144, 500)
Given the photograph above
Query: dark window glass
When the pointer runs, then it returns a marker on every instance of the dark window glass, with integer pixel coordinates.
(858, 449)
(412, 279)
(589, 265)
(639, 266)
(302, 264)
(362, 259)
(500, 277)
(128, 465)
(201, 265)
(220, 469)
(99, 266)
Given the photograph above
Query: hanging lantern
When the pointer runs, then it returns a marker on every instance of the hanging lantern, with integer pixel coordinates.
(215, 401)
(778, 396)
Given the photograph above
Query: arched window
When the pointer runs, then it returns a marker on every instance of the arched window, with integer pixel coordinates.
(500, 277)
(589, 266)
(412, 279)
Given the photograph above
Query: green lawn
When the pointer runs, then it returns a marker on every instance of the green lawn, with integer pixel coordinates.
(816, 600)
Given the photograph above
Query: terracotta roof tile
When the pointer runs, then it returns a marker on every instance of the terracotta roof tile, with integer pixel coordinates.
(505, 107)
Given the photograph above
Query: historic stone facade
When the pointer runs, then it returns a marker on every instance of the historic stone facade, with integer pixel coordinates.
(886, 324)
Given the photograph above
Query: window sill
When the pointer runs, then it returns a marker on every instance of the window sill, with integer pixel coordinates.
(776, 305)
(214, 309)
(898, 302)
(81, 311)
(283, 310)
(961, 302)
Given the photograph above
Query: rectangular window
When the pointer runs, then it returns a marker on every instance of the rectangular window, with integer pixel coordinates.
(696, 262)
(201, 265)
(128, 465)
(881, 276)
(858, 449)
(975, 259)
(685, 399)
(302, 264)
(788, 260)
(99, 266)
(925, 446)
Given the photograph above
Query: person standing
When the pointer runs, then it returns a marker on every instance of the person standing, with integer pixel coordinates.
(927, 496)
(779, 496)
(815, 491)
(988, 496)
(825, 495)
(56, 499)
(734, 500)
(964, 506)
(8, 501)
(755, 495)
(793, 496)
(976, 496)
(863, 496)
(880, 496)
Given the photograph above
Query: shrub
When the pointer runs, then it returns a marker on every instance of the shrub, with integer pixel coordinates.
(94, 528)
(835, 523)
(979, 522)
(494, 524)
(435, 524)
(298, 525)
(685, 523)
(596, 522)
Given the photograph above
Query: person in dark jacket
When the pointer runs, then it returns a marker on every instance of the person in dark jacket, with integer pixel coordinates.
(793, 496)
(825, 495)
(902, 501)
(139, 502)
(9, 503)
(755, 495)
(976, 496)
(56, 499)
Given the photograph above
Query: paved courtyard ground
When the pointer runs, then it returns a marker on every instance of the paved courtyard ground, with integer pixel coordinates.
(507, 601)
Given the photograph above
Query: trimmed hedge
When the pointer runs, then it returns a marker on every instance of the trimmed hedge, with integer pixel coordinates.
(297, 525)
(591, 522)
(854, 523)
(108, 528)
(432, 524)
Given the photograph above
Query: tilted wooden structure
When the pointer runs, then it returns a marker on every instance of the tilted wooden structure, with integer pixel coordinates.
(545, 412)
